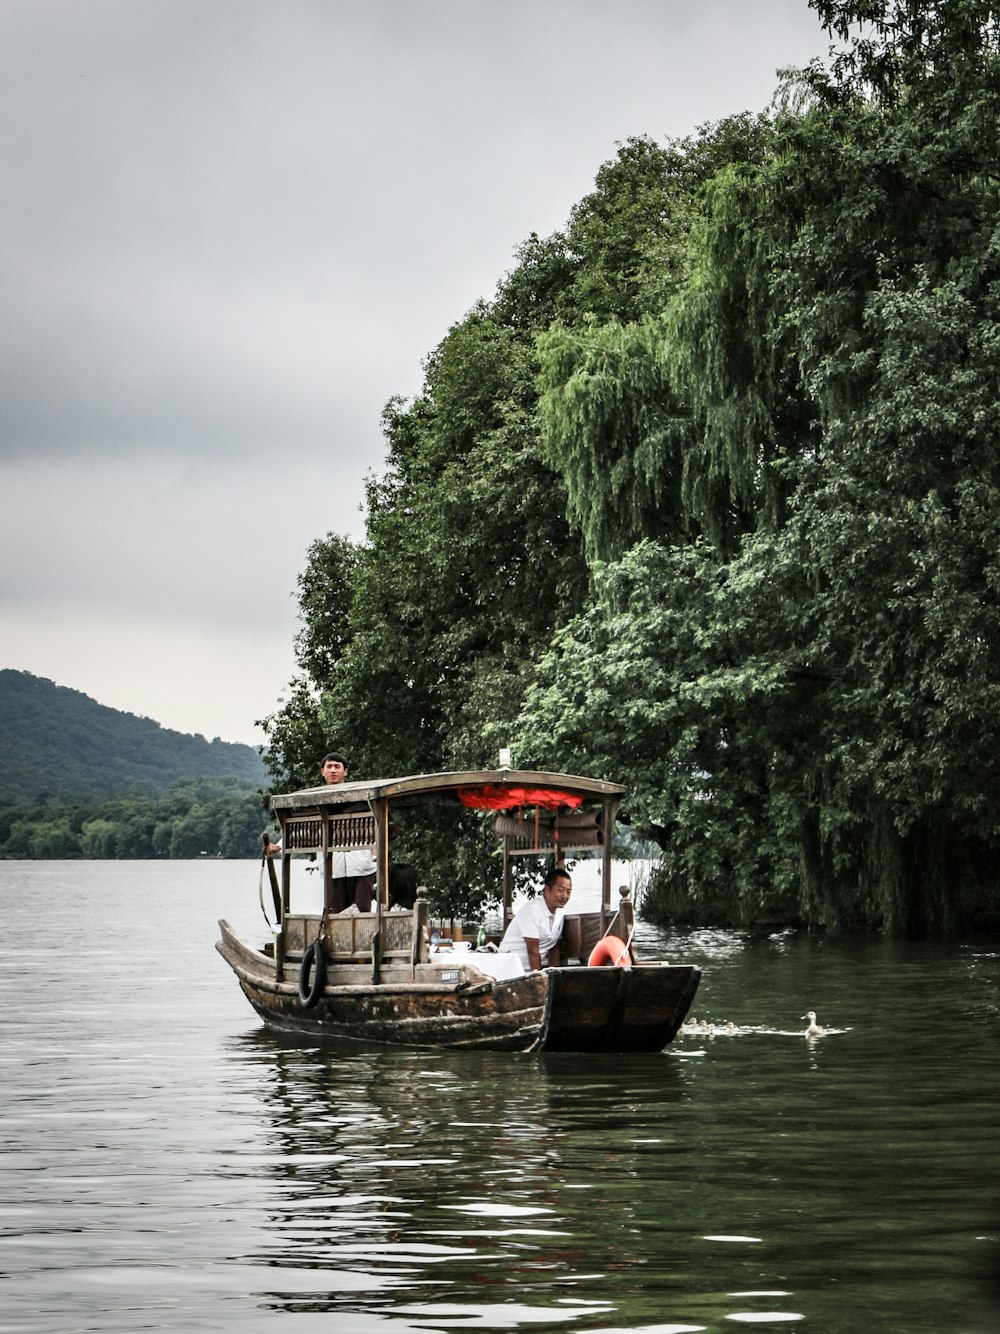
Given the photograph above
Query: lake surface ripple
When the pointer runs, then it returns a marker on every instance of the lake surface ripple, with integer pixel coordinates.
(169, 1165)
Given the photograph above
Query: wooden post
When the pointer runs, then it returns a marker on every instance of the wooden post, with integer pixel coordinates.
(380, 811)
(572, 939)
(326, 859)
(286, 900)
(508, 885)
(609, 809)
(418, 943)
(626, 921)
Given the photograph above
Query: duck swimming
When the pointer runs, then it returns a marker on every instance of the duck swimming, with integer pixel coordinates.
(814, 1030)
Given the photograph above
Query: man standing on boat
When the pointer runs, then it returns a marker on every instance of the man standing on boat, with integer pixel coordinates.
(353, 871)
(536, 928)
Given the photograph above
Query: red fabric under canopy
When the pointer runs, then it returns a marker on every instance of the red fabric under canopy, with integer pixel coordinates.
(492, 797)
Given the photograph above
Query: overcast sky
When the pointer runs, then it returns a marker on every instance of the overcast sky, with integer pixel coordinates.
(230, 231)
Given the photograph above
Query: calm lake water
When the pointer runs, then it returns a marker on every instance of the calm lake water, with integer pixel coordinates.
(168, 1165)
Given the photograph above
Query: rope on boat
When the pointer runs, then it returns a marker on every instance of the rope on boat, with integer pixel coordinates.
(627, 951)
(260, 890)
(275, 892)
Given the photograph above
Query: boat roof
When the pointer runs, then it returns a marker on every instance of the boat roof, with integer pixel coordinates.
(518, 785)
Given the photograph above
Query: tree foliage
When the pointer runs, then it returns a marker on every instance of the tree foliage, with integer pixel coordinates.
(466, 563)
(60, 745)
(707, 499)
(830, 734)
(466, 569)
(295, 731)
(619, 421)
(199, 818)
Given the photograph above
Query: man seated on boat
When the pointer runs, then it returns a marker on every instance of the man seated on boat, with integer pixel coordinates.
(535, 930)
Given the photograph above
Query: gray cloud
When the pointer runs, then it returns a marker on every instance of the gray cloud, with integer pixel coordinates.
(230, 230)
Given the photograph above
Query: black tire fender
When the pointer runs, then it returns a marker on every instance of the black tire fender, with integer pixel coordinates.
(314, 964)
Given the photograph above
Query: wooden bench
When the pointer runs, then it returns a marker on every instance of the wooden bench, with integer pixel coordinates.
(350, 936)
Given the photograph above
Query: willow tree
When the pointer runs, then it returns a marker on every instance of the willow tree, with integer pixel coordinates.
(831, 708)
(615, 421)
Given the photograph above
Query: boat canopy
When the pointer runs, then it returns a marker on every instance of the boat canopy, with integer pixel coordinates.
(570, 813)
(485, 789)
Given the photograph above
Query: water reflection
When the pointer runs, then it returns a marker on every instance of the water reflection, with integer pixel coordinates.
(680, 1191)
(475, 1172)
(534, 1184)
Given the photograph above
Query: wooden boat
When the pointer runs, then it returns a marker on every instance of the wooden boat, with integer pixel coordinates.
(379, 976)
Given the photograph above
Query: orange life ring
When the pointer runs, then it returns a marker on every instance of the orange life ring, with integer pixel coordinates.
(610, 950)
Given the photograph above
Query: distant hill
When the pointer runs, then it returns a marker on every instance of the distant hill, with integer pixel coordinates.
(59, 745)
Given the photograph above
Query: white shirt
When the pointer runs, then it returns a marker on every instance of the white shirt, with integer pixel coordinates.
(534, 921)
(359, 861)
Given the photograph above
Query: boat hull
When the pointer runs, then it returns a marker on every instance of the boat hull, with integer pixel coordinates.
(574, 1009)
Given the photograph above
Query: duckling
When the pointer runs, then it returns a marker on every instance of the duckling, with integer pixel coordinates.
(814, 1030)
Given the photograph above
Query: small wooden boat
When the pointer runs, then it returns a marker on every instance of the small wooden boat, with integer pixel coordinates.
(378, 976)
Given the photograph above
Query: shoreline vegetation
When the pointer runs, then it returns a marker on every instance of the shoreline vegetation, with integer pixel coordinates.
(81, 779)
(196, 817)
(206, 818)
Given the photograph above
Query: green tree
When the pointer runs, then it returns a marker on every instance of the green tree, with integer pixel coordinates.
(17, 844)
(135, 829)
(194, 834)
(468, 566)
(296, 731)
(828, 702)
(163, 832)
(671, 680)
(53, 838)
(99, 838)
(619, 421)
(240, 828)
(325, 591)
